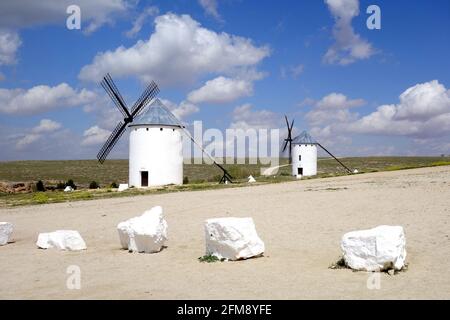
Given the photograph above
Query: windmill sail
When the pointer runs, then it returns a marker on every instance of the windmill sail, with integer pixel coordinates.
(108, 84)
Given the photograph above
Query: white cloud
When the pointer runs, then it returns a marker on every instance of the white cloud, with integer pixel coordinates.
(182, 110)
(333, 108)
(221, 90)
(42, 98)
(422, 114)
(28, 13)
(210, 7)
(179, 51)
(94, 136)
(348, 46)
(9, 44)
(246, 118)
(46, 126)
(140, 20)
(423, 111)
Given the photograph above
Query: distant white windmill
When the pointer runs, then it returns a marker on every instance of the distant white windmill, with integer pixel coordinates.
(303, 153)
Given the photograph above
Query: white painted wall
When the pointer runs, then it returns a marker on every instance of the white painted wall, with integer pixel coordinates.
(304, 156)
(158, 152)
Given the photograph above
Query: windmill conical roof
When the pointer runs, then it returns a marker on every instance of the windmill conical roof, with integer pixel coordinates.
(156, 114)
(304, 138)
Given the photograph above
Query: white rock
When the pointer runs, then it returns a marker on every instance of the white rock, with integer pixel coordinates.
(146, 233)
(299, 176)
(232, 238)
(6, 230)
(61, 239)
(355, 171)
(123, 187)
(68, 189)
(377, 249)
(251, 179)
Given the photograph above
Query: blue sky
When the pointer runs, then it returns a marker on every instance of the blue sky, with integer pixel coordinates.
(232, 64)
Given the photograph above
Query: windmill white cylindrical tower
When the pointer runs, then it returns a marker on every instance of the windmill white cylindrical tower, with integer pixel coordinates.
(304, 155)
(156, 152)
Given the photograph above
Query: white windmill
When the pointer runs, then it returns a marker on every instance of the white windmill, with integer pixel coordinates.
(156, 147)
(303, 153)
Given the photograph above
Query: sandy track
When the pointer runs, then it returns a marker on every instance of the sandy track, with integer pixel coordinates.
(301, 223)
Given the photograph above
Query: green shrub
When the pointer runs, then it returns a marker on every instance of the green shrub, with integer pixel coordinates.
(94, 185)
(70, 183)
(60, 186)
(114, 185)
(40, 198)
(208, 258)
(40, 186)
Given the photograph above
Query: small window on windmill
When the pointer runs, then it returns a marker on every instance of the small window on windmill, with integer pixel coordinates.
(300, 157)
(160, 129)
(146, 129)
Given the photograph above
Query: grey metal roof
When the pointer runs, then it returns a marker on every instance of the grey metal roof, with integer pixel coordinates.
(304, 138)
(156, 114)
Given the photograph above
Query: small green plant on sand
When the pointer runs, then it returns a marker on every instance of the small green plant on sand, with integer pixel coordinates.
(340, 264)
(209, 258)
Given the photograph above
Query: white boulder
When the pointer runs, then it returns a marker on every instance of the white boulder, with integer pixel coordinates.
(123, 187)
(68, 189)
(377, 249)
(232, 238)
(69, 240)
(6, 230)
(251, 179)
(146, 233)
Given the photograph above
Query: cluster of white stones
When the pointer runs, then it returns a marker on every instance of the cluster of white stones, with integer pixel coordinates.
(378, 249)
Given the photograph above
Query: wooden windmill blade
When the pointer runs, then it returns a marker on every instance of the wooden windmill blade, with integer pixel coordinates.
(108, 84)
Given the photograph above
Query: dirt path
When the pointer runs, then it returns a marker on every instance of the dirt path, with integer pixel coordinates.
(301, 223)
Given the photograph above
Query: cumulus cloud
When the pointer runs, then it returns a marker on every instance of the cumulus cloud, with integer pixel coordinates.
(28, 13)
(9, 44)
(179, 51)
(141, 19)
(46, 126)
(348, 47)
(423, 111)
(182, 110)
(422, 114)
(332, 108)
(221, 90)
(210, 7)
(244, 117)
(42, 98)
(95, 136)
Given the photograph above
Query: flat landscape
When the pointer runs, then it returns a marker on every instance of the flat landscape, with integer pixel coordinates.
(197, 176)
(301, 223)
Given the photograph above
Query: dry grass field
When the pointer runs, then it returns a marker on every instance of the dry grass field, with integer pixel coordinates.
(199, 176)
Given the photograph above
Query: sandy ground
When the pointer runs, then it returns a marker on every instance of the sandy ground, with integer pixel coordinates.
(301, 223)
